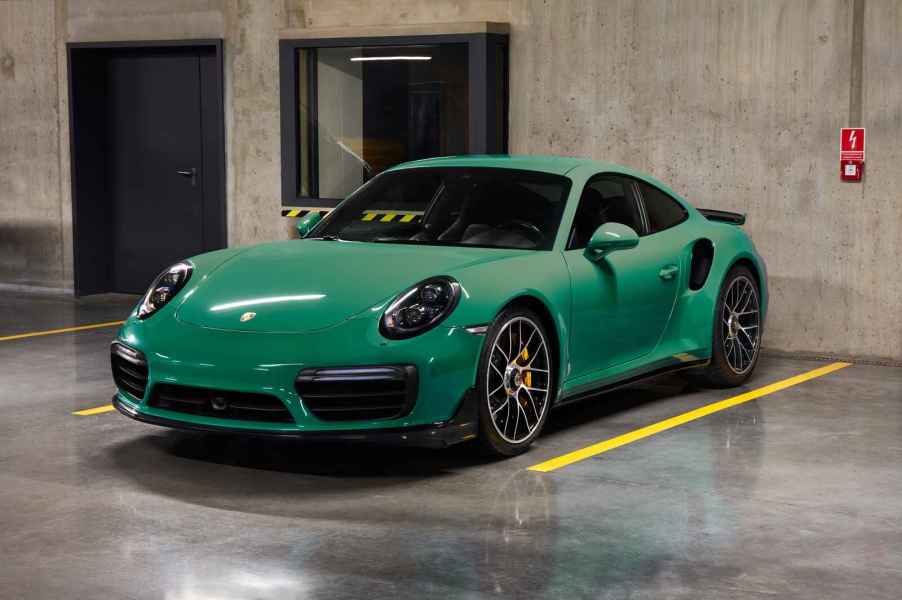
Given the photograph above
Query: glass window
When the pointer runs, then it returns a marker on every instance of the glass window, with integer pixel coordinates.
(607, 199)
(364, 109)
(662, 210)
(455, 206)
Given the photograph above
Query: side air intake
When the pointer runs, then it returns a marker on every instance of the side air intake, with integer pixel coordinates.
(702, 259)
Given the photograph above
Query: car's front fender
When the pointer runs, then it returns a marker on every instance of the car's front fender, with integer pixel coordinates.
(538, 276)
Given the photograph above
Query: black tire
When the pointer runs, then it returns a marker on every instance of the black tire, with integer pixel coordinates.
(740, 287)
(501, 435)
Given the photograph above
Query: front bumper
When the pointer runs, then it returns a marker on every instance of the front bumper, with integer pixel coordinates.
(260, 363)
(460, 428)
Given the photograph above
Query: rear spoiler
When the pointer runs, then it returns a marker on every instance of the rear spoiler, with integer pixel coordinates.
(723, 216)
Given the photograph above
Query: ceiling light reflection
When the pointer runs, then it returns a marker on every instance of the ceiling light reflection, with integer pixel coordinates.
(270, 300)
(375, 58)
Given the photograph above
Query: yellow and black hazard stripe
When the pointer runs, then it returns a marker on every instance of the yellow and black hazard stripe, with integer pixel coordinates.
(389, 216)
(383, 216)
(301, 212)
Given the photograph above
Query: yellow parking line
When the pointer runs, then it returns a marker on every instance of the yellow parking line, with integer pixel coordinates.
(638, 434)
(21, 336)
(94, 411)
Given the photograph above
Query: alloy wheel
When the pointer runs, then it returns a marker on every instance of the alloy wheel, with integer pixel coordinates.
(741, 324)
(518, 379)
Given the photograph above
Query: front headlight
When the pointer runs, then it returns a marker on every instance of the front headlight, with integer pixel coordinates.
(164, 288)
(420, 308)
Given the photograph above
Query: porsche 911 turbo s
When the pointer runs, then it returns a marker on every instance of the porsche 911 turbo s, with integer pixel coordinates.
(445, 300)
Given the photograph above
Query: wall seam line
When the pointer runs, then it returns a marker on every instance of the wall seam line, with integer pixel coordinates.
(856, 71)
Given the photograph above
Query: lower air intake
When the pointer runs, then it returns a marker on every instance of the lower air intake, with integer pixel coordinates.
(129, 369)
(240, 406)
(358, 393)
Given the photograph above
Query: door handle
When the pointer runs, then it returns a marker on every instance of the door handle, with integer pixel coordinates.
(668, 272)
(192, 173)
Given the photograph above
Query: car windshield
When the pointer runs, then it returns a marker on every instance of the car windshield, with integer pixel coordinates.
(453, 206)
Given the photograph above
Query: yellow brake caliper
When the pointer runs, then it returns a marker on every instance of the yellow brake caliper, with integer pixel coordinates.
(527, 374)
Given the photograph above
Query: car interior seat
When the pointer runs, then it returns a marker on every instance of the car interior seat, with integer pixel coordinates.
(590, 214)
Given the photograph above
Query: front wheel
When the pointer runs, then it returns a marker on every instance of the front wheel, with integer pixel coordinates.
(515, 383)
(737, 330)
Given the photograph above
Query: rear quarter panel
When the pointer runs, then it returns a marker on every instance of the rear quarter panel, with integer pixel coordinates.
(691, 327)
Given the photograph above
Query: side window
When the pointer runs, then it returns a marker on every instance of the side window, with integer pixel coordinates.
(663, 211)
(605, 199)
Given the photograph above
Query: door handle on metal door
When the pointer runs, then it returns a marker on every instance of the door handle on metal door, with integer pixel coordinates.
(192, 173)
(668, 272)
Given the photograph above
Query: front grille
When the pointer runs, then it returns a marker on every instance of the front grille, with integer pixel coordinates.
(358, 393)
(129, 369)
(241, 406)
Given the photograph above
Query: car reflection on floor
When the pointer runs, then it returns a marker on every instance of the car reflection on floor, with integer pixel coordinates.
(492, 527)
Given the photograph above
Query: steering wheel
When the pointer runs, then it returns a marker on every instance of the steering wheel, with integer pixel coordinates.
(533, 233)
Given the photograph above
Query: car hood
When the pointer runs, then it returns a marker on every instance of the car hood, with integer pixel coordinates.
(305, 285)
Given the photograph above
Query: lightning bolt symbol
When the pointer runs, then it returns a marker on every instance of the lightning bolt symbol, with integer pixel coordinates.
(853, 139)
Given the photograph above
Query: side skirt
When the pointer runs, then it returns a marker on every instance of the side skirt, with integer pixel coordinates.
(627, 379)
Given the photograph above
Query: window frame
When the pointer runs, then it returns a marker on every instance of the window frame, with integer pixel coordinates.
(629, 182)
(642, 202)
(487, 53)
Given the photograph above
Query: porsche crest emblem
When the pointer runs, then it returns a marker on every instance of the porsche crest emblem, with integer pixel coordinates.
(247, 316)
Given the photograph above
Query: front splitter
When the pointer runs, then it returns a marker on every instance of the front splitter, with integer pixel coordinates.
(460, 428)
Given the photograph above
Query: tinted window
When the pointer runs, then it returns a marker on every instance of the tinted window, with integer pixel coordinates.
(663, 211)
(456, 206)
(604, 200)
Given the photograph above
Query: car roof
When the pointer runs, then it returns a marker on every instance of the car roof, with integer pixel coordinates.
(559, 165)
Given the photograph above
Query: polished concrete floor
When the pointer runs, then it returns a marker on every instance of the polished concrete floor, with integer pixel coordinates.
(795, 495)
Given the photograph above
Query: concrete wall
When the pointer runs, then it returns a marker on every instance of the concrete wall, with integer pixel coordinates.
(737, 104)
(33, 237)
(875, 208)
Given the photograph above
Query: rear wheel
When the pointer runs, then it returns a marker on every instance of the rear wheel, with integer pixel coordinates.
(737, 331)
(515, 383)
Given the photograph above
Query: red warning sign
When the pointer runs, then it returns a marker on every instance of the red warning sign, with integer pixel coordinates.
(851, 143)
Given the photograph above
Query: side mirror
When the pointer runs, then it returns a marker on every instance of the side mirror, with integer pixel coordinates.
(610, 237)
(308, 222)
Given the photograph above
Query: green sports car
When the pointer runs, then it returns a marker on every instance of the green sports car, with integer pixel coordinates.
(448, 299)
